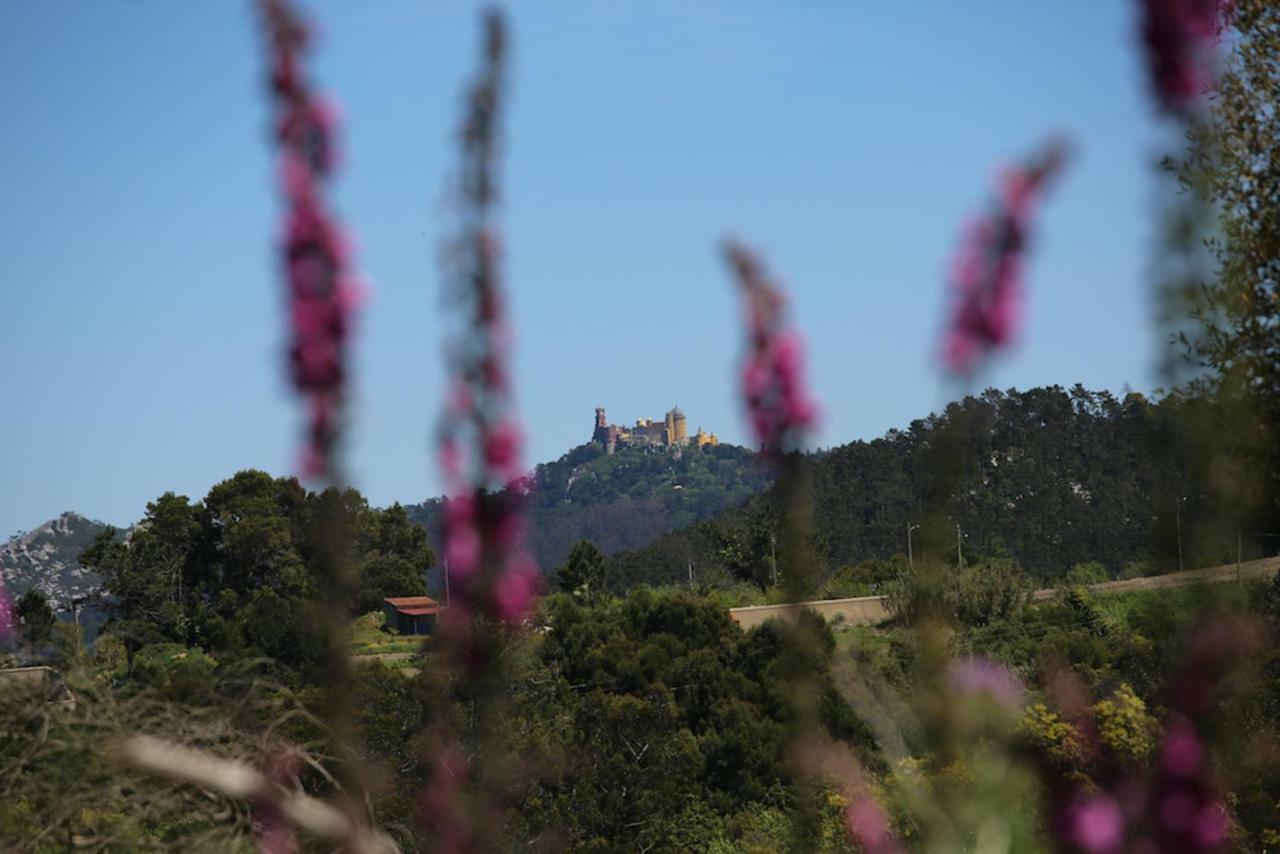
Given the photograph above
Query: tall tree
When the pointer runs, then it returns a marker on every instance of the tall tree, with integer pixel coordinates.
(1234, 163)
(395, 557)
(583, 573)
(36, 619)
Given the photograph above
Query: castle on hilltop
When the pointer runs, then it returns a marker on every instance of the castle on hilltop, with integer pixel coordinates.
(671, 432)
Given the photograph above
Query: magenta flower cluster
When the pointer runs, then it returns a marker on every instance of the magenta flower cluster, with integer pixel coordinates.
(779, 406)
(1181, 38)
(322, 292)
(986, 276)
(1178, 804)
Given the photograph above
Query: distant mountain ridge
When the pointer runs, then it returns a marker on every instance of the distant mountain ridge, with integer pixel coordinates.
(46, 558)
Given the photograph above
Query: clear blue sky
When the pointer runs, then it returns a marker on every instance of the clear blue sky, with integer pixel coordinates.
(848, 140)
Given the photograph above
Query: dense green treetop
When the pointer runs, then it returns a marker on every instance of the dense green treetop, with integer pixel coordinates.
(1049, 477)
(245, 571)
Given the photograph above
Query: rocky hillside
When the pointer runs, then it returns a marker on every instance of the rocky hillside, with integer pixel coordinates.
(45, 558)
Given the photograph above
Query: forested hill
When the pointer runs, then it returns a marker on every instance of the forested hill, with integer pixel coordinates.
(627, 499)
(1049, 477)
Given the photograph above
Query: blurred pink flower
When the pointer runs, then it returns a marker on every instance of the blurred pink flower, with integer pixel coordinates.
(1097, 825)
(976, 676)
(322, 291)
(1180, 37)
(1211, 826)
(6, 613)
(501, 451)
(517, 589)
(439, 804)
(1181, 753)
(1178, 803)
(869, 826)
(463, 552)
(275, 834)
(986, 284)
(1177, 811)
(480, 436)
(779, 407)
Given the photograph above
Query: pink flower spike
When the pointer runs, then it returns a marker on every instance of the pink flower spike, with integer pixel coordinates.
(314, 253)
(6, 613)
(773, 390)
(986, 283)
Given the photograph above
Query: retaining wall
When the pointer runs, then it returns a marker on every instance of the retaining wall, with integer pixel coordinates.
(872, 609)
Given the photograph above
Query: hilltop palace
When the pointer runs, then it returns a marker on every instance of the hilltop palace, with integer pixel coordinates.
(670, 432)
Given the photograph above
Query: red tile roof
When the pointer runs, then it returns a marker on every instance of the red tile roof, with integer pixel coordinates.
(411, 601)
(418, 612)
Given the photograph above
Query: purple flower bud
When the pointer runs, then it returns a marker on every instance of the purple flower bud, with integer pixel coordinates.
(778, 405)
(1097, 825)
(975, 676)
(1180, 37)
(986, 283)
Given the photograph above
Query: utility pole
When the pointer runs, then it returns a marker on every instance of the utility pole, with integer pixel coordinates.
(773, 555)
(959, 549)
(446, 581)
(1177, 515)
(690, 572)
(1239, 552)
(911, 561)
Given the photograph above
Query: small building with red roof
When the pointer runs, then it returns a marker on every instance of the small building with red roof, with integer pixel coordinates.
(411, 615)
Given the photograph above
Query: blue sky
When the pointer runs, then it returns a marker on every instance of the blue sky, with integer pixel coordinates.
(847, 140)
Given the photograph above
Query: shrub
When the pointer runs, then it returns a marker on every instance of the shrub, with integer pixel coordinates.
(1125, 727)
(993, 590)
(1088, 573)
(178, 672)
